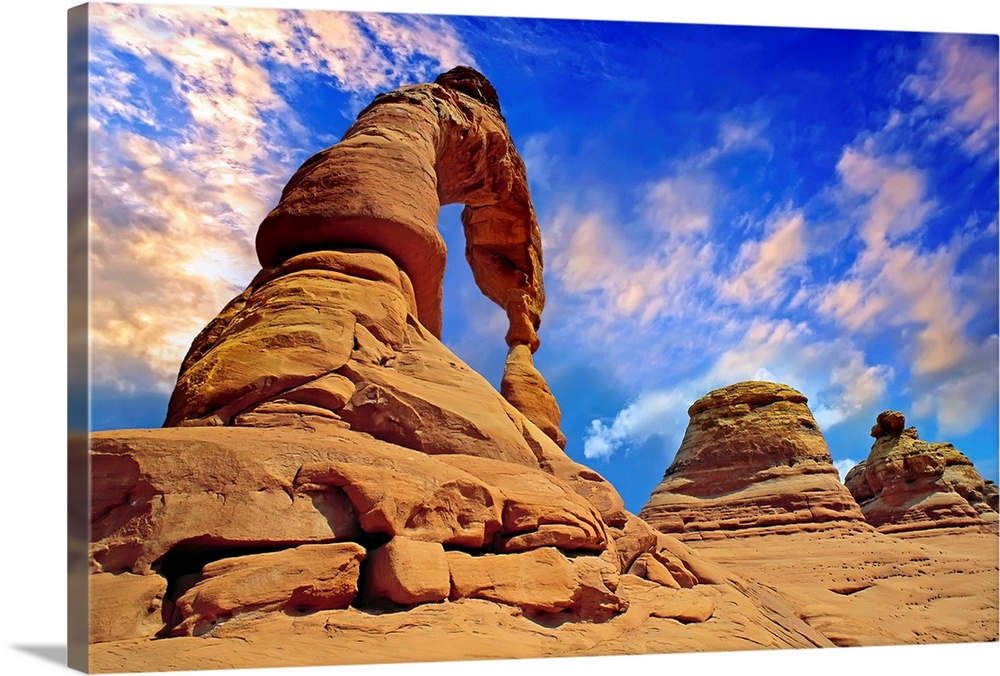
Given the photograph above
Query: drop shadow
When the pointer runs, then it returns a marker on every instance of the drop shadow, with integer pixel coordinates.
(50, 653)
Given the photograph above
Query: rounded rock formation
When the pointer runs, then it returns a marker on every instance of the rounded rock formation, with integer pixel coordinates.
(752, 458)
(356, 222)
(907, 484)
(320, 415)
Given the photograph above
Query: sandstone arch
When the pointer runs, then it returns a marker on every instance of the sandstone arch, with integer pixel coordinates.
(367, 208)
(409, 152)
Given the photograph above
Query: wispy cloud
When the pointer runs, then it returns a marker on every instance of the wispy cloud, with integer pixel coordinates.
(614, 278)
(960, 79)
(922, 298)
(652, 263)
(894, 282)
(833, 374)
(762, 267)
(680, 205)
(963, 397)
(892, 193)
(194, 135)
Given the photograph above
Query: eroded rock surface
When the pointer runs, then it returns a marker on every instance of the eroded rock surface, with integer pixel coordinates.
(204, 529)
(300, 580)
(364, 211)
(410, 151)
(752, 458)
(329, 469)
(907, 484)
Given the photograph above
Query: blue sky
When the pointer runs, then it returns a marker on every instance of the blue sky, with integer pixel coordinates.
(816, 207)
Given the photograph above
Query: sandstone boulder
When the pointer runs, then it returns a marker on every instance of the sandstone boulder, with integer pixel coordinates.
(752, 458)
(276, 337)
(401, 492)
(125, 606)
(209, 488)
(541, 580)
(539, 510)
(908, 484)
(299, 580)
(408, 572)
(170, 504)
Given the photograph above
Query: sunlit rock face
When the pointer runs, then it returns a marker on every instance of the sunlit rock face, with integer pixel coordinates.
(333, 485)
(752, 459)
(907, 484)
(354, 241)
(324, 450)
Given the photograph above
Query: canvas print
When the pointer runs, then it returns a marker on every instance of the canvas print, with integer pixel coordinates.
(423, 338)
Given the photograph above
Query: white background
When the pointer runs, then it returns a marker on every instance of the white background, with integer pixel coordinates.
(33, 329)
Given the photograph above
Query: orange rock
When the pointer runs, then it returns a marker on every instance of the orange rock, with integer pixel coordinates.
(408, 572)
(277, 336)
(649, 568)
(425, 145)
(539, 510)
(540, 580)
(125, 606)
(432, 402)
(908, 484)
(153, 490)
(399, 492)
(752, 458)
(524, 387)
(304, 579)
(633, 539)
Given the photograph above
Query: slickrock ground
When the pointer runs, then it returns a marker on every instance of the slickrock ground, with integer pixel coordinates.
(752, 458)
(239, 546)
(868, 588)
(909, 484)
(735, 496)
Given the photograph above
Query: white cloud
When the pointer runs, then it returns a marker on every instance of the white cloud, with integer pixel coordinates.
(964, 397)
(594, 260)
(853, 302)
(735, 134)
(660, 266)
(894, 196)
(834, 375)
(922, 300)
(854, 387)
(962, 79)
(844, 466)
(656, 413)
(893, 281)
(680, 205)
(177, 197)
(763, 266)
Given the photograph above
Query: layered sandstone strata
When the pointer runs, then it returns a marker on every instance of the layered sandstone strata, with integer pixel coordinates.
(379, 191)
(752, 459)
(907, 484)
(323, 449)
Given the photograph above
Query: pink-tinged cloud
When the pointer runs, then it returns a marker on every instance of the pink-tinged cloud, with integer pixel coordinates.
(834, 374)
(763, 266)
(962, 79)
(174, 207)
